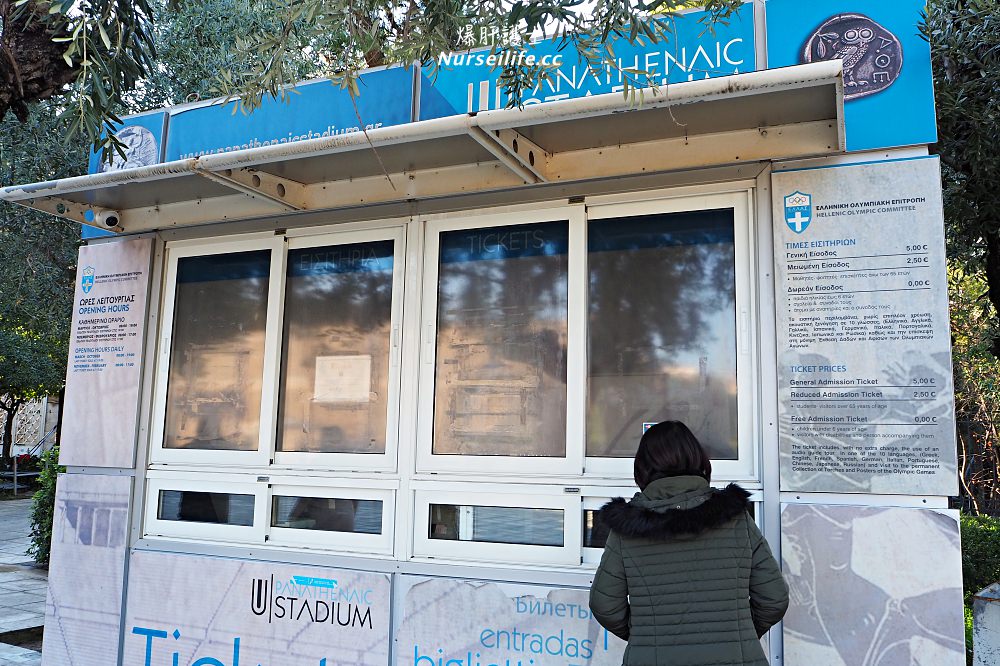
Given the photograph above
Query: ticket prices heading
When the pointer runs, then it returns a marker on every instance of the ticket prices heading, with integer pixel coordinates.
(866, 399)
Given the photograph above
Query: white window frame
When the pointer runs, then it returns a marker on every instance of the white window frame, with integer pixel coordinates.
(592, 501)
(595, 498)
(745, 467)
(352, 461)
(206, 483)
(227, 457)
(348, 542)
(497, 496)
(572, 463)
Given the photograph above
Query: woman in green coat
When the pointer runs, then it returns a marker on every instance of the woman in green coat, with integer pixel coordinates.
(686, 577)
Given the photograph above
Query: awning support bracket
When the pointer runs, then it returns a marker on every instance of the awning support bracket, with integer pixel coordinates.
(519, 154)
(288, 194)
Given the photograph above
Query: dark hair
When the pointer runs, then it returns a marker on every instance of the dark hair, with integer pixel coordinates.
(670, 449)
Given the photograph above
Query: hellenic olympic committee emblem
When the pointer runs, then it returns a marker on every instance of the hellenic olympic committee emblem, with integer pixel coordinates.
(798, 211)
(873, 56)
(87, 281)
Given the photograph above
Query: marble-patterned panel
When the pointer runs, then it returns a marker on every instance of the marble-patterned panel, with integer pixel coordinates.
(451, 622)
(87, 569)
(872, 586)
(203, 611)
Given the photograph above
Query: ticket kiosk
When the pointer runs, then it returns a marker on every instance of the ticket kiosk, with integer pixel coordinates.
(354, 397)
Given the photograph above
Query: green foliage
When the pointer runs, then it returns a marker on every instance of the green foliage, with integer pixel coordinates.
(980, 553)
(195, 41)
(37, 265)
(43, 506)
(965, 50)
(968, 635)
(136, 54)
(977, 387)
(108, 47)
(376, 32)
(37, 251)
(130, 55)
(980, 562)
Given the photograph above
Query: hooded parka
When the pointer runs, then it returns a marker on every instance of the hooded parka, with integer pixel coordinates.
(686, 577)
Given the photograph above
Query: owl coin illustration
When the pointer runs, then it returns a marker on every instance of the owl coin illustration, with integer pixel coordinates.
(140, 149)
(873, 56)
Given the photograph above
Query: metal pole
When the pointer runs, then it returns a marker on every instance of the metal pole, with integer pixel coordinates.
(15, 477)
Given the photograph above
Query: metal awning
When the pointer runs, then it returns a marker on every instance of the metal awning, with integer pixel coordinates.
(773, 114)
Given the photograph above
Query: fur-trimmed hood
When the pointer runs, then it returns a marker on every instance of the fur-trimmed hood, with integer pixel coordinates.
(659, 513)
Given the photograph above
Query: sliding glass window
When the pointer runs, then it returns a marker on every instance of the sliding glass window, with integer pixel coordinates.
(662, 323)
(498, 322)
(501, 343)
(217, 351)
(669, 307)
(335, 360)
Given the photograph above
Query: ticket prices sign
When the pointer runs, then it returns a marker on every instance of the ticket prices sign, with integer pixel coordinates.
(448, 622)
(211, 611)
(866, 400)
(101, 408)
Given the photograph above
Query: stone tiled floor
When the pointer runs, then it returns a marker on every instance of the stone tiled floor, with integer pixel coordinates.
(15, 526)
(11, 655)
(22, 586)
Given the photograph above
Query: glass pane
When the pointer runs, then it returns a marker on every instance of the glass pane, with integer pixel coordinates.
(197, 507)
(328, 514)
(335, 370)
(501, 348)
(662, 330)
(217, 352)
(497, 524)
(595, 532)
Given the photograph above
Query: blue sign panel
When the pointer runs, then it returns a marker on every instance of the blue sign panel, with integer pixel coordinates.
(888, 89)
(143, 139)
(314, 110)
(465, 82)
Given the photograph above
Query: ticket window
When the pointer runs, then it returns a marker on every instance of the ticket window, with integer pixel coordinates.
(282, 352)
(354, 519)
(498, 338)
(669, 334)
(212, 369)
(552, 339)
(340, 351)
(497, 523)
(548, 339)
(594, 534)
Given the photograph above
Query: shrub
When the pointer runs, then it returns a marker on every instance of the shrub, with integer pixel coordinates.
(980, 562)
(980, 552)
(44, 505)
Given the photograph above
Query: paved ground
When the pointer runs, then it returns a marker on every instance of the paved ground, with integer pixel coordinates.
(22, 586)
(11, 655)
(15, 526)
